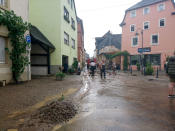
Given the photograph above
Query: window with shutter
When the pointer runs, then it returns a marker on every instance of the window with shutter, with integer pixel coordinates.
(2, 50)
(4, 3)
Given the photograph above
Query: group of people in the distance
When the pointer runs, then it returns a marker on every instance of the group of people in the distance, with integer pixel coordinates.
(92, 66)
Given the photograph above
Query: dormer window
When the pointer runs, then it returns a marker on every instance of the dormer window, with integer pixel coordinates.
(146, 10)
(161, 7)
(133, 13)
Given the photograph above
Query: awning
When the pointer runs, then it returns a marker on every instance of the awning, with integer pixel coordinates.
(38, 37)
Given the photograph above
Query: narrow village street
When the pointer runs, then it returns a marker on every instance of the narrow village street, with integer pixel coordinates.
(121, 102)
(74, 65)
(125, 103)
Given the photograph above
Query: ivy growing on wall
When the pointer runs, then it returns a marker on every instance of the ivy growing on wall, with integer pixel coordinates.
(121, 53)
(18, 54)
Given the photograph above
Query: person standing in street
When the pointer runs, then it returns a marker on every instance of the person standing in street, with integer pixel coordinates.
(92, 67)
(171, 73)
(79, 69)
(102, 69)
(114, 69)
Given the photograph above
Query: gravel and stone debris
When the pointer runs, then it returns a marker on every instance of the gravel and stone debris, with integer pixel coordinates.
(56, 112)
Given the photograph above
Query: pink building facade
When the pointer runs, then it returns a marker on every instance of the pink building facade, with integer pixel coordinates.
(148, 32)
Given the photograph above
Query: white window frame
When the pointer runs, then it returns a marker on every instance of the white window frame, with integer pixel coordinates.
(73, 23)
(4, 4)
(66, 39)
(131, 26)
(157, 39)
(132, 41)
(158, 7)
(144, 25)
(164, 22)
(73, 43)
(131, 13)
(3, 62)
(144, 10)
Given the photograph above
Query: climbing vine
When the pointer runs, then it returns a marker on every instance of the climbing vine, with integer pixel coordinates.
(18, 54)
(121, 53)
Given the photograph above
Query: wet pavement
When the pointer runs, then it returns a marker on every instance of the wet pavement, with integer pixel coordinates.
(18, 102)
(124, 103)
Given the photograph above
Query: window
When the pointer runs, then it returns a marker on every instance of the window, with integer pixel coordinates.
(66, 15)
(2, 49)
(155, 59)
(73, 23)
(146, 25)
(146, 11)
(134, 41)
(133, 13)
(162, 22)
(135, 59)
(132, 28)
(161, 7)
(154, 39)
(72, 4)
(73, 43)
(4, 3)
(66, 38)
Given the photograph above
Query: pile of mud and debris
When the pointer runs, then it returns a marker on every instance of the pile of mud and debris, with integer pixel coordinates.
(54, 113)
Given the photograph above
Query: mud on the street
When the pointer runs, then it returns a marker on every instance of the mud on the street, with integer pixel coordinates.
(56, 112)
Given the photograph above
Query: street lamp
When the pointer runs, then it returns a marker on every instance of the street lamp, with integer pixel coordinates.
(142, 64)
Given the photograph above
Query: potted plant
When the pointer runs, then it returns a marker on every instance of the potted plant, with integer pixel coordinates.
(71, 71)
(60, 76)
(149, 69)
(138, 66)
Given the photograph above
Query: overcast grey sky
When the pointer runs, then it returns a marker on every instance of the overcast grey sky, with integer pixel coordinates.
(100, 16)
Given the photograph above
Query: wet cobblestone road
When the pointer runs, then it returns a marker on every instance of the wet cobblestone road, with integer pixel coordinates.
(125, 103)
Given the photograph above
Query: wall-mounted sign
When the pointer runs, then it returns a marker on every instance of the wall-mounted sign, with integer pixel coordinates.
(146, 49)
(28, 39)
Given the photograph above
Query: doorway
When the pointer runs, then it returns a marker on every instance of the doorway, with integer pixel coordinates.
(65, 63)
